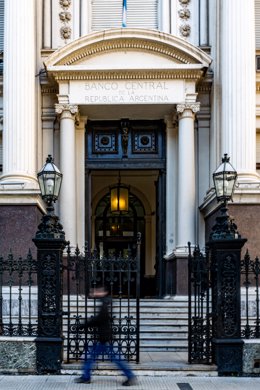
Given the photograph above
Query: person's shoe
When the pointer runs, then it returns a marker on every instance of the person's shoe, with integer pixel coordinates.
(130, 382)
(82, 380)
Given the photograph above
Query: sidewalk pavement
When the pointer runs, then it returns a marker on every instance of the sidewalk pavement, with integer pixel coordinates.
(65, 382)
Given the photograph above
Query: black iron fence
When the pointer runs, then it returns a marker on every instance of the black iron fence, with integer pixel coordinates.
(201, 314)
(121, 277)
(18, 296)
(250, 303)
(200, 308)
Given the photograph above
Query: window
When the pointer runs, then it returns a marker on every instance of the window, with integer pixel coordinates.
(140, 14)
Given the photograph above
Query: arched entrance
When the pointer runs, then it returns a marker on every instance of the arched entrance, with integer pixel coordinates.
(141, 75)
(115, 234)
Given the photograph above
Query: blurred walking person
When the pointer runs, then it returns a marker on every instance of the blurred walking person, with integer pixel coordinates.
(102, 322)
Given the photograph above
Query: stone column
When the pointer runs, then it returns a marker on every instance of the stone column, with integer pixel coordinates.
(80, 177)
(171, 184)
(203, 27)
(19, 135)
(68, 199)
(48, 120)
(237, 70)
(47, 24)
(165, 16)
(186, 219)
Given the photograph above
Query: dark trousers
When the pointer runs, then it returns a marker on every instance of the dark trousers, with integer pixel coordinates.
(99, 349)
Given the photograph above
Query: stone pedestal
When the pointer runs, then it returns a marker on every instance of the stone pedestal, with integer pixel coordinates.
(17, 355)
(251, 357)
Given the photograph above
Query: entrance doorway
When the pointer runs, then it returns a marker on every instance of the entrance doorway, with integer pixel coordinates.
(135, 150)
(116, 233)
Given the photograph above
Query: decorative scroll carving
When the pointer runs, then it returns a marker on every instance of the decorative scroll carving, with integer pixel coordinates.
(194, 107)
(60, 108)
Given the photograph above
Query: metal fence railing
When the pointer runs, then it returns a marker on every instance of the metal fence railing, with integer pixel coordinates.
(18, 296)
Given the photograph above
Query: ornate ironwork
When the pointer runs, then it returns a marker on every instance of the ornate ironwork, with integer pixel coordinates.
(250, 304)
(121, 277)
(225, 228)
(105, 142)
(50, 242)
(200, 319)
(18, 296)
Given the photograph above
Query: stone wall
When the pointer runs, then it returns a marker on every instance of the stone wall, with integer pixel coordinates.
(17, 355)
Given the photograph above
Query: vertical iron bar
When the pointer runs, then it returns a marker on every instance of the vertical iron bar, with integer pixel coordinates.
(1, 295)
(189, 302)
(138, 265)
(20, 275)
(257, 269)
(69, 273)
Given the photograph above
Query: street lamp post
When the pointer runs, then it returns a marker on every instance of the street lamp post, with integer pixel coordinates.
(50, 243)
(225, 244)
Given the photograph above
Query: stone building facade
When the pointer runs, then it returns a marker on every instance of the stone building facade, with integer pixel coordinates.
(156, 103)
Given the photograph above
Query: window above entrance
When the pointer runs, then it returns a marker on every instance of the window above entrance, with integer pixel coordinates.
(125, 142)
(108, 14)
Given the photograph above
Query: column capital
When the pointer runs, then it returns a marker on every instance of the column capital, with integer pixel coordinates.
(194, 107)
(171, 121)
(71, 108)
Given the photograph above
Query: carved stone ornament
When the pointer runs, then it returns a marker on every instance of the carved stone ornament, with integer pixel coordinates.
(194, 107)
(60, 108)
(65, 3)
(65, 32)
(65, 16)
(185, 30)
(184, 13)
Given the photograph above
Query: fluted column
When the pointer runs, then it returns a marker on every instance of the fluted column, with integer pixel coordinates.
(47, 24)
(171, 175)
(19, 135)
(68, 199)
(80, 177)
(165, 16)
(237, 68)
(203, 27)
(186, 220)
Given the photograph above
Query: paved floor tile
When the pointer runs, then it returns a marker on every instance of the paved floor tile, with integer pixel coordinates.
(66, 382)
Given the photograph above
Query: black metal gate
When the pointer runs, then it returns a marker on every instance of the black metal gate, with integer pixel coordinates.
(121, 276)
(200, 308)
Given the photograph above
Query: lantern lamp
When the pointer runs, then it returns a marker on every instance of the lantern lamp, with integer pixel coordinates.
(49, 179)
(224, 180)
(119, 198)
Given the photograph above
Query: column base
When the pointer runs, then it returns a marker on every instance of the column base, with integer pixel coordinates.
(19, 223)
(48, 355)
(18, 182)
(176, 273)
(228, 355)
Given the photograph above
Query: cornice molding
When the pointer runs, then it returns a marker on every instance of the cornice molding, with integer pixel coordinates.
(167, 45)
(190, 74)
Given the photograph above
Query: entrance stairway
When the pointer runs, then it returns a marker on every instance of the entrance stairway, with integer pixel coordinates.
(164, 324)
(163, 342)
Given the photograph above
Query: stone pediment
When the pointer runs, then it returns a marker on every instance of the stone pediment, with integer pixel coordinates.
(127, 53)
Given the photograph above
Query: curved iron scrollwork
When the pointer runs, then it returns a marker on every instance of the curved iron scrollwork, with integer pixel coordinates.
(18, 281)
(200, 316)
(121, 276)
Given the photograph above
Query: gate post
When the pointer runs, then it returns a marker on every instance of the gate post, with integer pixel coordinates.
(50, 242)
(225, 246)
